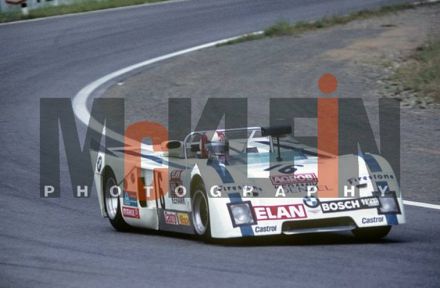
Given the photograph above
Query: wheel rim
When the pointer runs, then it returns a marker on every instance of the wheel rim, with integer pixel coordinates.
(200, 212)
(111, 202)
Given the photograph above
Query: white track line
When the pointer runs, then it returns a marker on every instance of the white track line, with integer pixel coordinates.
(80, 100)
(421, 204)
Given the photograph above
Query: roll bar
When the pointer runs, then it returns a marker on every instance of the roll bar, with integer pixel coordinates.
(188, 137)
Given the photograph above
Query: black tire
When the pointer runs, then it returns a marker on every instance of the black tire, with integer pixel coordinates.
(112, 204)
(200, 213)
(371, 234)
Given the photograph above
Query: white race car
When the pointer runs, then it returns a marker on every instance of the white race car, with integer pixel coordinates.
(245, 183)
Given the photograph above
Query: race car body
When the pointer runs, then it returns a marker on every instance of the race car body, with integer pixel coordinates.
(217, 185)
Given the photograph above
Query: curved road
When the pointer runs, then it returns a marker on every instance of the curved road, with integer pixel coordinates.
(65, 243)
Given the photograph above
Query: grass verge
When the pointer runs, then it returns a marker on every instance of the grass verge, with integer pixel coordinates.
(421, 73)
(284, 28)
(76, 7)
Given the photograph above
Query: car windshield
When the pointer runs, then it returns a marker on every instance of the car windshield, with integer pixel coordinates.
(259, 152)
(249, 146)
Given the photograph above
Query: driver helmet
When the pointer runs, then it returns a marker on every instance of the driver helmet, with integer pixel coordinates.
(215, 146)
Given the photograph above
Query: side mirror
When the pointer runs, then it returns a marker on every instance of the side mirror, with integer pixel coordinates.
(175, 148)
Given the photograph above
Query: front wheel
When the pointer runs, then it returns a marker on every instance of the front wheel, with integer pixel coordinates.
(200, 213)
(112, 203)
(371, 233)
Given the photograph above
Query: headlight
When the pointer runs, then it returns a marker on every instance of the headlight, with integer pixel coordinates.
(241, 213)
(388, 203)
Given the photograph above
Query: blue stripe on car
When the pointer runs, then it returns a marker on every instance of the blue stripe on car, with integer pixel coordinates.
(372, 163)
(391, 218)
(374, 166)
(235, 198)
(156, 159)
(222, 172)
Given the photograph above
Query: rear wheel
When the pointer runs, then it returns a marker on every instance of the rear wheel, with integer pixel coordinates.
(200, 213)
(112, 203)
(371, 233)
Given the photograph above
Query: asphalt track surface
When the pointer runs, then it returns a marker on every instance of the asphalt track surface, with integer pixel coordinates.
(65, 243)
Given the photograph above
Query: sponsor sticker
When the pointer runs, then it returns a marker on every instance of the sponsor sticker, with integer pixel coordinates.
(176, 174)
(130, 212)
(281, 212)
(99, 164)
(373, 220)
(239, 187)
(265, 229)
(350, 204)
(170, 217)
(301, 178)
(183, 218)
(311, 202)
(129, 201)
(374, 176)
(303, 188)
(175, 182)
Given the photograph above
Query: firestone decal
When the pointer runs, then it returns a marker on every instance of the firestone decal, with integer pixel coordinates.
(374, 176)
(238, 187)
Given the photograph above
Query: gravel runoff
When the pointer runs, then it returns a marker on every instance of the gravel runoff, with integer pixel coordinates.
(361, 54)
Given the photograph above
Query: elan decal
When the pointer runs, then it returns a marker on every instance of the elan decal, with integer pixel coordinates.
(281, 212)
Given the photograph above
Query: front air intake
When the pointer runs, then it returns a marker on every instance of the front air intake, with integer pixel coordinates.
(318, 225)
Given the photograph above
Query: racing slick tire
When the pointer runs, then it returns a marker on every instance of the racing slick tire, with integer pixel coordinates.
(112, 203)
(200, 213)
(371, 233)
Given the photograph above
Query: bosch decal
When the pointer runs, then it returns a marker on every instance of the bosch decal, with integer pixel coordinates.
(351, 204)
